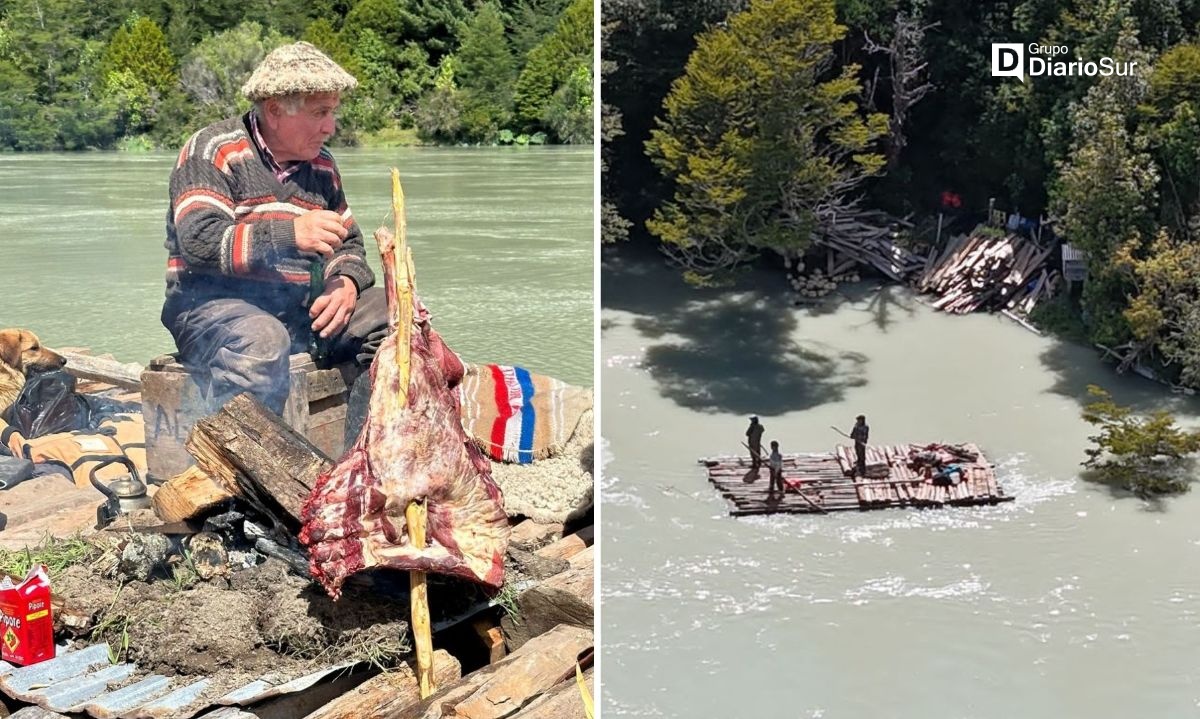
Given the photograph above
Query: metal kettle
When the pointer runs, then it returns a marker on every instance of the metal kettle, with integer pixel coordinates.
(123, 494)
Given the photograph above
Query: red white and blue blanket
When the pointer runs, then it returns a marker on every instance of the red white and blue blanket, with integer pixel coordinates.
(517, 416)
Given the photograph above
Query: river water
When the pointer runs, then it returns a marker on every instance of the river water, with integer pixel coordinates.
(1072, 601)
(501, 238)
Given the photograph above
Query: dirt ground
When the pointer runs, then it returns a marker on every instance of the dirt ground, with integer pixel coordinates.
(258, 621)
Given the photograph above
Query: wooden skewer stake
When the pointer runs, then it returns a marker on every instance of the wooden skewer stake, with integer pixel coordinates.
(416, 513)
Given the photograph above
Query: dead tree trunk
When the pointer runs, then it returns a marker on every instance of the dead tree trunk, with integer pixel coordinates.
(906, 57)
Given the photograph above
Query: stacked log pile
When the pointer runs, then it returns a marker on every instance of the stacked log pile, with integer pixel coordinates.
(878, 251)
(864, 237)
(995, 274)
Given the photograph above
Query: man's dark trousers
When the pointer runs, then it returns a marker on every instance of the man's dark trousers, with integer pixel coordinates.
(233, 345)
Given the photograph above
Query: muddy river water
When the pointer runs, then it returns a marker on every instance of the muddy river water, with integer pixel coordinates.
(1075, 600)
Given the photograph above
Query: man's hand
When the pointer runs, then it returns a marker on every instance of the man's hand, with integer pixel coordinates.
(332, 309)
(319, 231)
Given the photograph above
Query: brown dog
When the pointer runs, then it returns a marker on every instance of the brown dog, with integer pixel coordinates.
(22, 354)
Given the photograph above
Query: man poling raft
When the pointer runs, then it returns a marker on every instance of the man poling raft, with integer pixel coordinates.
(860, 435)
(754, 435)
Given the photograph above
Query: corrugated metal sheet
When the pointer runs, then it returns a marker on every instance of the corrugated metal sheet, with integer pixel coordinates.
(1071, 254)
(78, 682)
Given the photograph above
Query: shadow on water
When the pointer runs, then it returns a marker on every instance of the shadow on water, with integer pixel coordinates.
(885, 303)
(728, 350)
(1075, 367)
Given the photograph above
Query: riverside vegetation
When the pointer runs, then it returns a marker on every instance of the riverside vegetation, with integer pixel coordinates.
(738, 129)
(144, 74)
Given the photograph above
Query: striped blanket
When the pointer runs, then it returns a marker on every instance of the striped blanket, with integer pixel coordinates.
(517, 416)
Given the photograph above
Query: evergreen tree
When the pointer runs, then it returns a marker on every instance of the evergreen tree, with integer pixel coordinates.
(758, 143)
(485, 73)
(439, 113)
(140, 48)
(613, 227)
(551, 63)
(322, 34)
(531, 22)
(1107, 194)
(214, 72)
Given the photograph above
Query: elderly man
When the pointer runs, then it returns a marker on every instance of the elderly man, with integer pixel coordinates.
(256, 207)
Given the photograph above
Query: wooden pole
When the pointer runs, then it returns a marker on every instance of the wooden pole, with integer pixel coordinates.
(416, 513)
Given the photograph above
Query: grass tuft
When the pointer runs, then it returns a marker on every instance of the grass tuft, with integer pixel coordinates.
(56, 553)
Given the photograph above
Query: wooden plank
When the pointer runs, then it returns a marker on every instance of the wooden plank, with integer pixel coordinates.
(121, 374)
(500, 690)
(325, 383)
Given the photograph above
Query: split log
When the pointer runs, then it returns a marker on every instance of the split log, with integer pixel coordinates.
(565, 598)
(276, 466)
(561, 702)
(187, 494)
(212, 461)
(389, 693)
(503, 689)
(569, 545)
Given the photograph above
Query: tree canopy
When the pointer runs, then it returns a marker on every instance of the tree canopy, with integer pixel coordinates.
(134, 73)
(729, 124)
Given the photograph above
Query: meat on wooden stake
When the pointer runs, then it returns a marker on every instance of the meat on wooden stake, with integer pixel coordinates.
(355, 517)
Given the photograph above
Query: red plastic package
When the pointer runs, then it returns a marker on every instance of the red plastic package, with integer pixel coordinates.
(26, 621)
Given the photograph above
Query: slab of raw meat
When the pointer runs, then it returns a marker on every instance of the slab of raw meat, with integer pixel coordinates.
(355, 517)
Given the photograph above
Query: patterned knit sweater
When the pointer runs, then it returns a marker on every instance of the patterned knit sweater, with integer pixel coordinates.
(229, 226)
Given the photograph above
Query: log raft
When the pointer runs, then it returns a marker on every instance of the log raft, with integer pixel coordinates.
(822, 482)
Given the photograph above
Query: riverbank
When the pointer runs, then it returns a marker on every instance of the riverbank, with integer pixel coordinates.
(1038, 606)
(382, 139)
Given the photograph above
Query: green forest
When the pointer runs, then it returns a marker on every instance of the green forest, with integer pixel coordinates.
(731, 128)
(144, 74)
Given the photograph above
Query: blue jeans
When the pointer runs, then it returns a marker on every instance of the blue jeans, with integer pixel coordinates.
(232, 345)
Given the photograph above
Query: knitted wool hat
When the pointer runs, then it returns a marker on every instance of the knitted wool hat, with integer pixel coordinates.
(296, 69)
